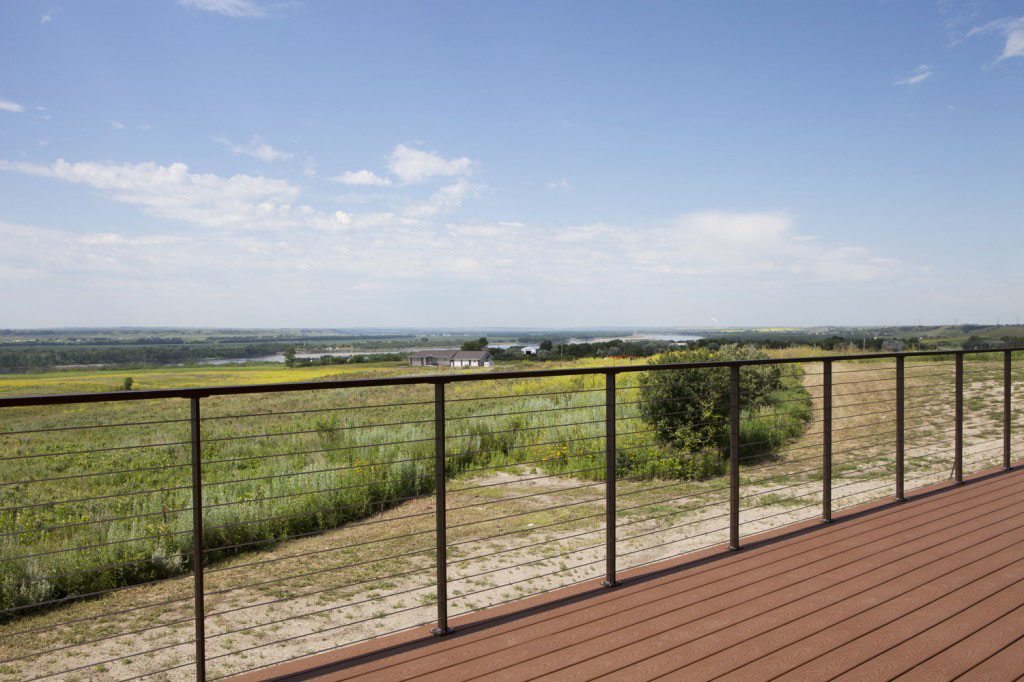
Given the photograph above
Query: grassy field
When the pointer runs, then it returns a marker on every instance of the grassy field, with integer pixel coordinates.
(94, 381)
(525, 503)
(86, 509)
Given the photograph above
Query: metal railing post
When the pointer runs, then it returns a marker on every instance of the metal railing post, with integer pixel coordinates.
(826, 442)
(441, 510)
(901, 442)
(958, 454)
(734, 457)
(1007, 398)
(197, 540)
(611, 579)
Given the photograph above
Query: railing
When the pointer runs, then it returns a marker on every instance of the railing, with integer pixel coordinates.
(377, 484)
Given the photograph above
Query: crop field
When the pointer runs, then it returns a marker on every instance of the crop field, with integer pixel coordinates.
(319, 508)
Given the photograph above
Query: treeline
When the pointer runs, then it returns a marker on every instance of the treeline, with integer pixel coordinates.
(267, 338)
(345, 360)
(834, 342)
(100, 341)
(981, 343)
(550, 350)
(36, 358)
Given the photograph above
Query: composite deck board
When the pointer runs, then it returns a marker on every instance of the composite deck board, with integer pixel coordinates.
(764, 610)
(742, 648)
(981, 644)
(692, 585)
(822, 642)
(930, 589)
(1002, 664)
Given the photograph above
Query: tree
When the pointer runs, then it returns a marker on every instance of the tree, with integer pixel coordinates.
(127, 384)
(479, 344)
(545, 345)
(689, 408)
(289, 356)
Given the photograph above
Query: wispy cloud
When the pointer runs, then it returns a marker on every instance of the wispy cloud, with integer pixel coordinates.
(256, 238)
(1011, 28)
(117, 125)
(444, 200)
(362, 178)
(255, 147)
(46, 18)
(561, 183)
(401, 264)
(416, 165)
(238, 202)
(239, 9)
(920, 75)
(11, 106)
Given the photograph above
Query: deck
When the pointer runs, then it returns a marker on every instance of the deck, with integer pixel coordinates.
(929, 589)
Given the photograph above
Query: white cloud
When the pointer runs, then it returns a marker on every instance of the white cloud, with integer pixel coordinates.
(309, 167)
(562, 183)
(231, 203)
(46, 18)
(395, 270)
(415, 165)
(117, 125)
(13, 107)
(920, 74)
(721, 243)
(362, 178)
(391, 263)
(1012, 29)
(256, 148)
(230, 8)
(446, 199)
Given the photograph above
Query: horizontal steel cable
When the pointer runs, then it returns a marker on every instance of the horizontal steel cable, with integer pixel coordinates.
(93, 426)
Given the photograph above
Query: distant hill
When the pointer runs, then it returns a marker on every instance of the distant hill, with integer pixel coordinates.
(985, 332)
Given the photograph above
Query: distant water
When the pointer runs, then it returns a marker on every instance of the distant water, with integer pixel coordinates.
(640, 337)
(279, 357)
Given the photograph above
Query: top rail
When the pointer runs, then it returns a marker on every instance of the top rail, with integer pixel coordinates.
(434, 379)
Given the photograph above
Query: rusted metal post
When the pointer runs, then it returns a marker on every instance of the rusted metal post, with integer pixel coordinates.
(440, 511)
(198, 550)
(901, 441)
(1007, 398)
(826, 442)
(734, 457)
(958, 454)
(611, 579)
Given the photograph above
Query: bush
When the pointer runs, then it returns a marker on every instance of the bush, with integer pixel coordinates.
(689, 408)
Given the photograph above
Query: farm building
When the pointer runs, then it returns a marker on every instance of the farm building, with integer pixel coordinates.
(450, 358)
(472, 358)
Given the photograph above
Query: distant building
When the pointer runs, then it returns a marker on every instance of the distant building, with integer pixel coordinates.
(472, 358)
(530, 350)
(431, 358)
(450, 358)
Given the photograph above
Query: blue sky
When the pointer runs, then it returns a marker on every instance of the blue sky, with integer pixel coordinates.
(264, 163)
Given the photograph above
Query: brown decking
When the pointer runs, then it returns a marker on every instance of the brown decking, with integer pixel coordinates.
(929, 589)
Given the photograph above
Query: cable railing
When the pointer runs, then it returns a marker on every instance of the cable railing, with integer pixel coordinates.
(212, 531)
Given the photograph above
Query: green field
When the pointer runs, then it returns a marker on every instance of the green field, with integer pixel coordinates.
(280, 465)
